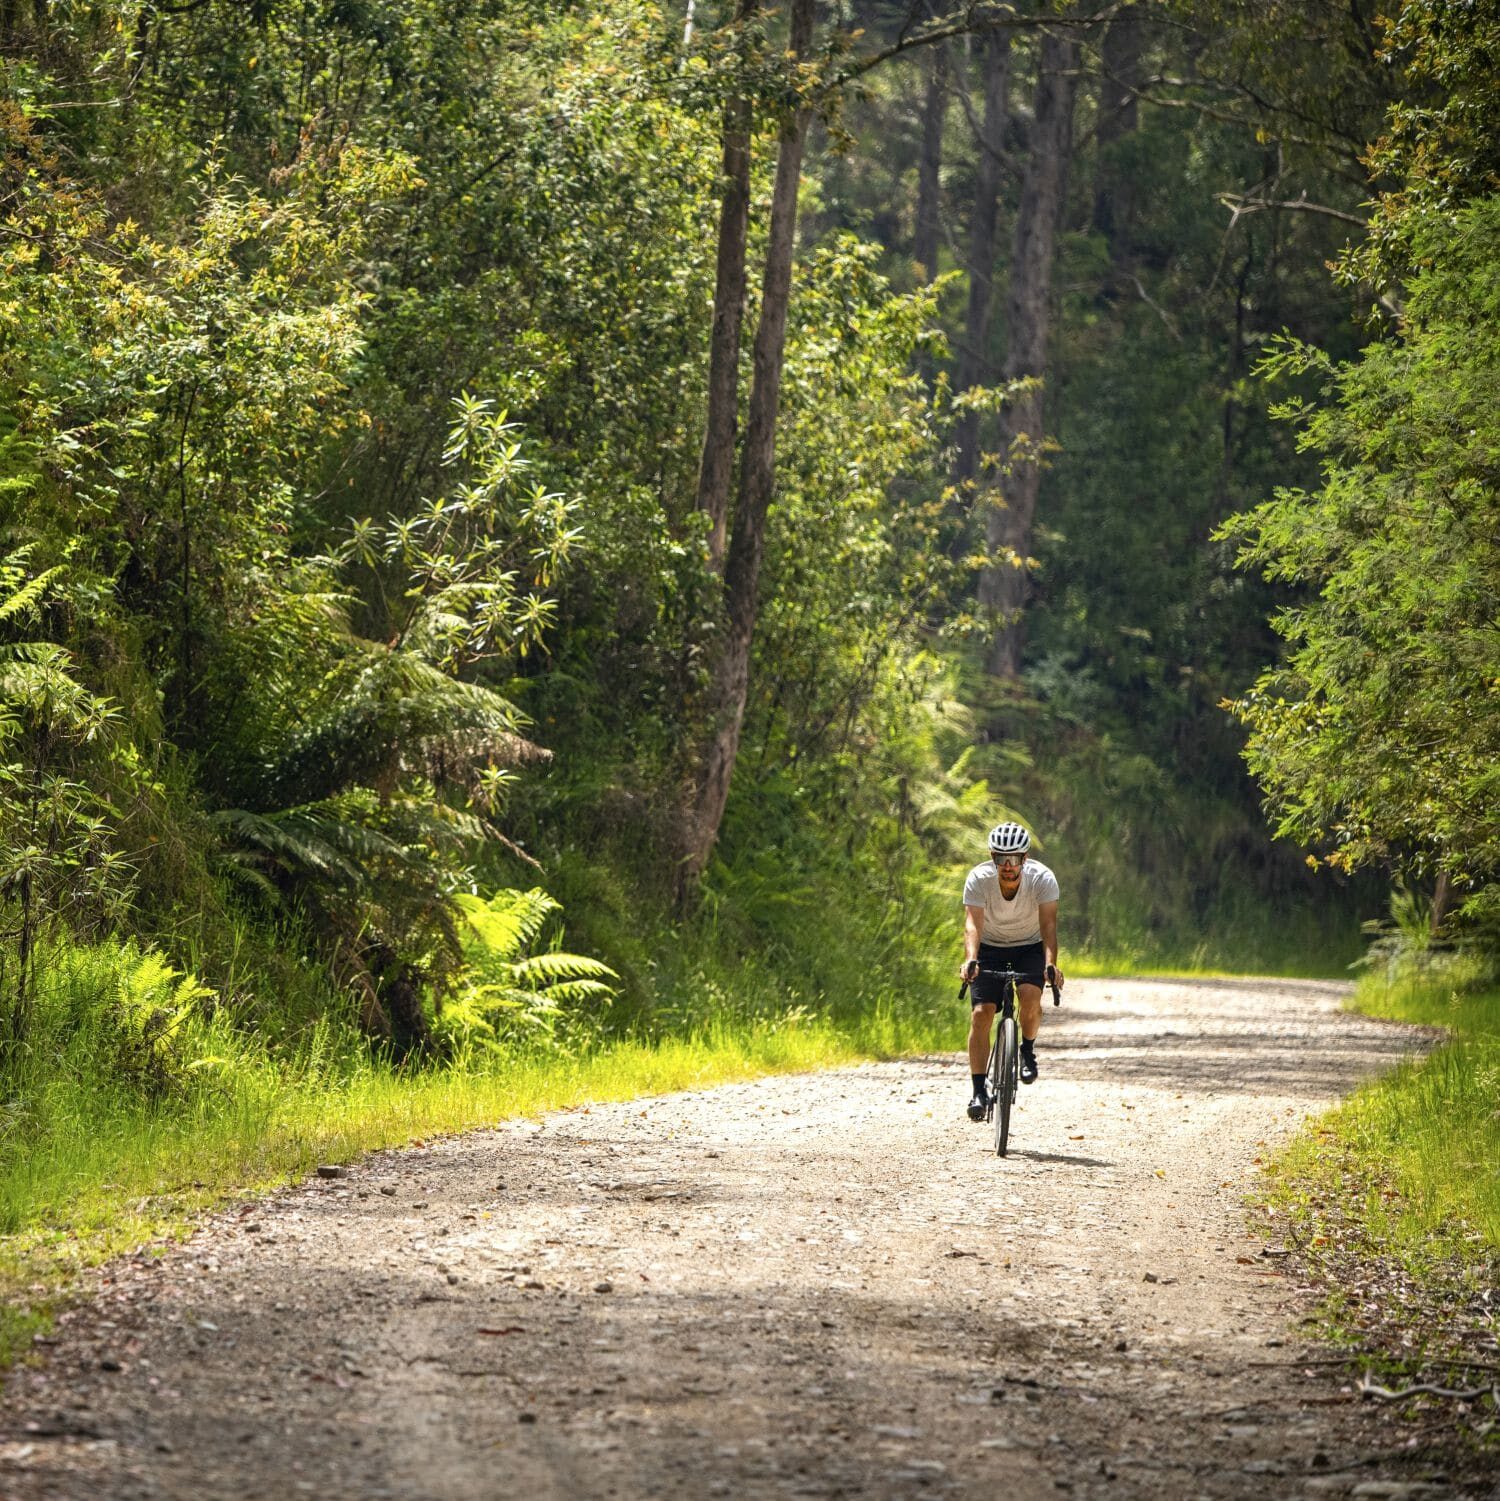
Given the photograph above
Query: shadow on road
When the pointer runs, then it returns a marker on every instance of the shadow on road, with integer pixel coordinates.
(1068, 1159)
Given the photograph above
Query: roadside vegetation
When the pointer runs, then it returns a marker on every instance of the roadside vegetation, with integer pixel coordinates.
(1390, 1204)
(1375, 736)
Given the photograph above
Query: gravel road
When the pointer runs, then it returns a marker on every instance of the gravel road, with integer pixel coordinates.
(821, 1285)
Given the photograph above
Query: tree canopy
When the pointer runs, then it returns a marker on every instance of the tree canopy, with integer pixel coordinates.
(1377, 738)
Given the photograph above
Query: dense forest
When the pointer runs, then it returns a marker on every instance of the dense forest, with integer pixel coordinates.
(530, 522)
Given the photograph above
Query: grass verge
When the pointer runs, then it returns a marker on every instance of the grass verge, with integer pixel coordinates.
(1391, 1202)
(104, 1181)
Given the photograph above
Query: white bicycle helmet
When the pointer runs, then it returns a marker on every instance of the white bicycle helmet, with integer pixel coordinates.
(1009, 839)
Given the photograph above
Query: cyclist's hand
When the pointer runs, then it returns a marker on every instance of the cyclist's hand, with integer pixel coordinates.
(968, 970)
(1055, 975)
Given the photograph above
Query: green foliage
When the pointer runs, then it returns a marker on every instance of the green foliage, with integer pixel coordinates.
(361, 660)
(55, 855)
(118, 1033)
(1160, 873)
(513, 993)
(855, 564)
(370, 788)
(1380, 737)
(1439, 150)
(148, 1019)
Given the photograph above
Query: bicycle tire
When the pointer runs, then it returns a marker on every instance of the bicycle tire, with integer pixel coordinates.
(1007, 1066)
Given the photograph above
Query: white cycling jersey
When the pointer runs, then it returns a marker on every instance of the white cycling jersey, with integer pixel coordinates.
(1009, 923)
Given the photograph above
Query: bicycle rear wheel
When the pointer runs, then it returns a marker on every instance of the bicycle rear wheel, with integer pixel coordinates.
(1003, 1085)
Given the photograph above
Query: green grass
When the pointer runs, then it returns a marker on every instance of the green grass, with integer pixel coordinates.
(1435, 1124)
(1395, 1192)
(1171, 964)
(105, 1173)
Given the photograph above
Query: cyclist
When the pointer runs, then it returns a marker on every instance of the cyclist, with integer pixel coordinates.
(1010, 922)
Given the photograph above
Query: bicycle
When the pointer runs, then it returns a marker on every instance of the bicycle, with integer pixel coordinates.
(1004, 1069)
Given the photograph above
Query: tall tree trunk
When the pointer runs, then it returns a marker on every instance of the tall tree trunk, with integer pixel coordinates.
(731, 667)
(716, 465)
(924, 248)
(1003, 584)
(974, 368)
(1114, 205)
(1234, 370)
(1437, 908)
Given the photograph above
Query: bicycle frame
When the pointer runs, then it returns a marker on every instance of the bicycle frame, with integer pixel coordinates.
(1004, 1060)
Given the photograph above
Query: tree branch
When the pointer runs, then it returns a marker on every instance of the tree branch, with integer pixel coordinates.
(972, 20)
(1368, 1388)
(1242, 204)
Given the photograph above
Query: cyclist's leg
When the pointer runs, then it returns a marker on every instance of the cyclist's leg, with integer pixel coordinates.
(984, 997)
(1030, 960)
(981, 1017)
(1031, 1011)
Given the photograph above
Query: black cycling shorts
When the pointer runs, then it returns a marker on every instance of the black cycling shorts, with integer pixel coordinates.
(1029, 960)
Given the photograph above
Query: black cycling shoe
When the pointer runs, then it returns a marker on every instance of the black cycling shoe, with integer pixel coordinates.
(978, 1105)
(1028, 1066)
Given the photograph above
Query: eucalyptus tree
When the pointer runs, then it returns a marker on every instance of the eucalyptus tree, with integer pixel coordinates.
(716, 464)
(730, 669)
(927, 229)
(803, 88)
(992, 130)
(1010, 515)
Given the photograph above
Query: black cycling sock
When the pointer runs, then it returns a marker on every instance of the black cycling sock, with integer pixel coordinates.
(978, 1083)
(1027, 1044)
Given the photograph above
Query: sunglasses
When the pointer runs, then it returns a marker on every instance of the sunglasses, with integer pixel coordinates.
(1009, 859)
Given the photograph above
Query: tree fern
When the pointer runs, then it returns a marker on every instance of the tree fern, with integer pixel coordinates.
(359, 799)
(507, 996)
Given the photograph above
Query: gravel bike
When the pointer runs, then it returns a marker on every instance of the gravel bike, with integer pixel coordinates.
(1004, 1071)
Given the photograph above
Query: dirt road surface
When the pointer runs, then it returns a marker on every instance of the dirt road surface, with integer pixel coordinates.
(813, 1286)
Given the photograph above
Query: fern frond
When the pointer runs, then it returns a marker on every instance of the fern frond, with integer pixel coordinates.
(575, 992)
(550, 969)
(508, 921)
(19, 595)
(305, 841)
(384, 708)
(510, 998)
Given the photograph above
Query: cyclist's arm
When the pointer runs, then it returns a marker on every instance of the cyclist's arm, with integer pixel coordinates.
(1046, 914)
(973, 929)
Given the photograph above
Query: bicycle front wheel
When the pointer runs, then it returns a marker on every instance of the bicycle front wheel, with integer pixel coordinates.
(1003, 1085)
